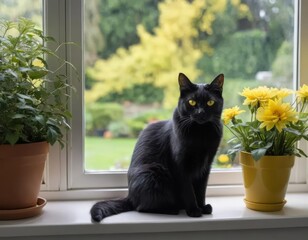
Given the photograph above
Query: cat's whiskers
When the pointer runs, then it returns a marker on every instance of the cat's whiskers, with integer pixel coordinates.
(184, 124)
(216, 123)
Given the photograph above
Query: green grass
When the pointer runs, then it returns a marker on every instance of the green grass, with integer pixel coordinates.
(108, 154)
(113, 154)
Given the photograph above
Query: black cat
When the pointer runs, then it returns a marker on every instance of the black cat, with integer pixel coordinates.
(172, 159)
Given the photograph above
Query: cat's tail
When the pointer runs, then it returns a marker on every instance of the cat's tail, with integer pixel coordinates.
(107, 208)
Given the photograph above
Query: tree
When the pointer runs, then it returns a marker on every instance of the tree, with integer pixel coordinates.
(94, 40)
(242, 55)
(276, 19)
(244, 46)
(159, 57)
(282, 66)
(119, 19)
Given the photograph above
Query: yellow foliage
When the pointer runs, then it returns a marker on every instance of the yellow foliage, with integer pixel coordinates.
(159, 57)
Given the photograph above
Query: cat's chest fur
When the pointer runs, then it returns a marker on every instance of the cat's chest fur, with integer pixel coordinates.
(195, 148)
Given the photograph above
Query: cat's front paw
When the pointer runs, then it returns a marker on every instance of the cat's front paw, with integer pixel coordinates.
(194, 212)
(207, 209)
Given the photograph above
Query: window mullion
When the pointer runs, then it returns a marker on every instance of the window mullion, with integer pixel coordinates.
(54, 17)
(74, 33)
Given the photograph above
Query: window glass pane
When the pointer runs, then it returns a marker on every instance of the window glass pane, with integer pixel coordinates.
(14, 9)
(134, 51)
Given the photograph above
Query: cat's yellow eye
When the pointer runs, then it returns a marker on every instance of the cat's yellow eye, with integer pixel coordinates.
(210, 102)
(192, 102)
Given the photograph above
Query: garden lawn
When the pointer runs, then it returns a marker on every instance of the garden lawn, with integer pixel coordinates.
(108, 154)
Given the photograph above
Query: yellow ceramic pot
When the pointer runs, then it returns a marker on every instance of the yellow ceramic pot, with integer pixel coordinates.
(266, 181)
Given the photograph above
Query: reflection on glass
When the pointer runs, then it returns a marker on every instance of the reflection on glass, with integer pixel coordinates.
(134, 51)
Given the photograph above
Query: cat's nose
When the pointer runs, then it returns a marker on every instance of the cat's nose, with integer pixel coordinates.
(200, 111)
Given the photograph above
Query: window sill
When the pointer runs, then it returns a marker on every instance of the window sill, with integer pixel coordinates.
(71, 220)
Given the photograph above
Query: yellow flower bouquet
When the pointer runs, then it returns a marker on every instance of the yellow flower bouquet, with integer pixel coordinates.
(275, 125)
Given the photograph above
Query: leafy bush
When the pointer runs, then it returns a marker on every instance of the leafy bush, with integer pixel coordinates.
(241, 55)
(138, 123)
(282, 66)
(139, 93)
(119, 129)
(136, 126)
(100, 115)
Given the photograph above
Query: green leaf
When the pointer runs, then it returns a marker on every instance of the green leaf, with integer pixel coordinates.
(67, 114)
(232, 151)
(40, 119)
(18, 116)
(12, 137)
(24, 69)
(256, 144)
(52, 135)
(37, 74)
(302, 153)
(26, 107)
(257, 154)
(52, 122)
(260, 152)
(24, 96)
(293, 131)
(67, 126)
(12, 73)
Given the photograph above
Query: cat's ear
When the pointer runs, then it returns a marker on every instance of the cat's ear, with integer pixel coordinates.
(218, 81)
(184, 83)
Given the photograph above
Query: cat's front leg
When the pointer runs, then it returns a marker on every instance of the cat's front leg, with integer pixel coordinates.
(200, 186)
(189, 199)
(191, 207)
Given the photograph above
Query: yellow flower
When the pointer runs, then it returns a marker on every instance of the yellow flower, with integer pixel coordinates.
(223, 158)
(229, 113)
(38, 63)
(276, 114)
(257, 96)
(302, 93)
(282, 93)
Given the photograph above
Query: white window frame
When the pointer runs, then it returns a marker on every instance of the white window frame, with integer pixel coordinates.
(65, 176)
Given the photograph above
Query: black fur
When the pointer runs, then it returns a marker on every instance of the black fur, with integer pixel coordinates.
(172, 159)
(107, 208)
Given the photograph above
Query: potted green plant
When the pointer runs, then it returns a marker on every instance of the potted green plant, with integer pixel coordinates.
(33, 114)
(268, 142)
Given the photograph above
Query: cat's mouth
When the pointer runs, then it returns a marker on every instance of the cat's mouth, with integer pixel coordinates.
(201, 119)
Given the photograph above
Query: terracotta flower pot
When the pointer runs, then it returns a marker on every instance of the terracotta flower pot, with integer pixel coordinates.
(266, 181)
(21, 171)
